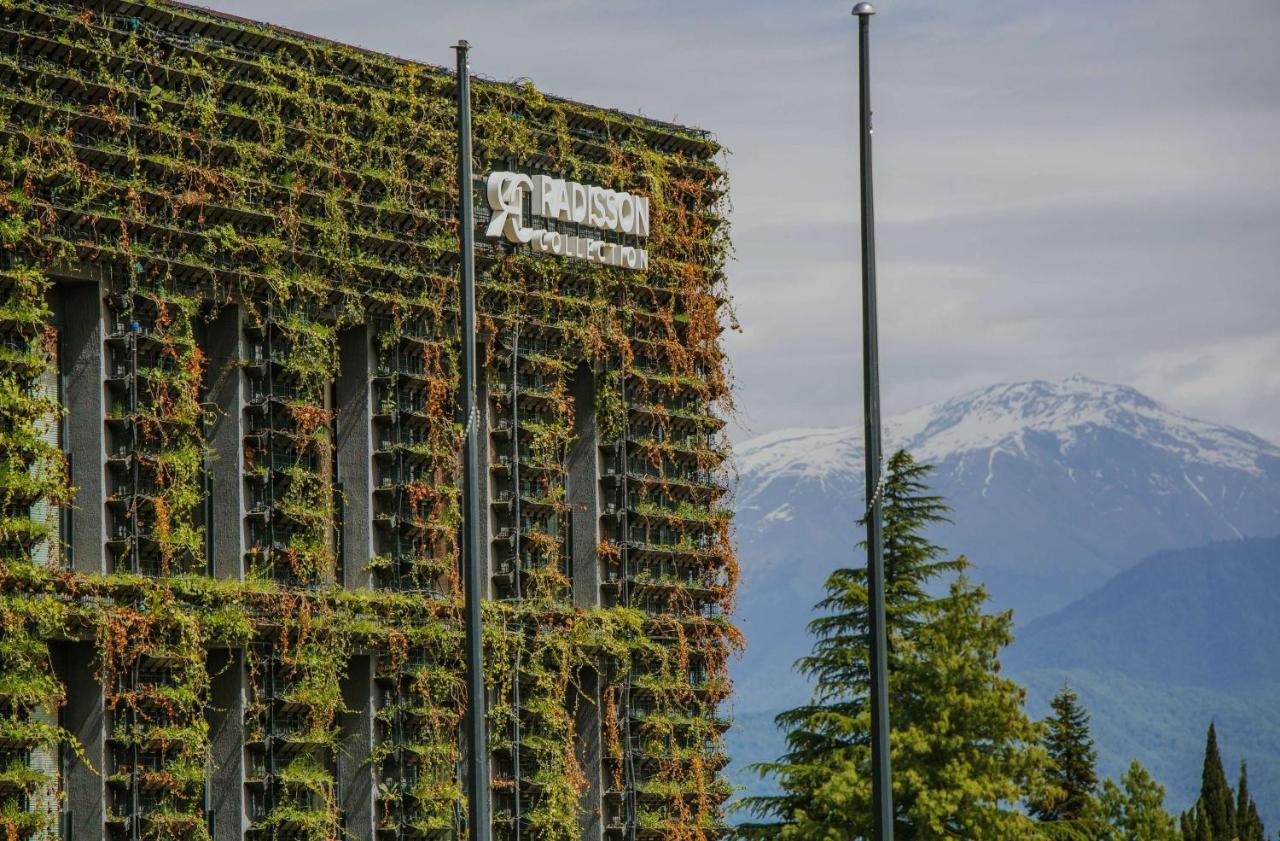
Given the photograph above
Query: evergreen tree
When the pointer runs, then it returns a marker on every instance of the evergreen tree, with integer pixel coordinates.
(1134, 809)
(960, 739)
(1187, 825)
(1072, 778)
(1216, 805)
(965, 749)
(1248, 823)
(1202, 831)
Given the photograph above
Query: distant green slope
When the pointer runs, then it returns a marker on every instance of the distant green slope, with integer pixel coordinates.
(1208, 616)
(753, 738)
(1157, 652)
(1163, 726)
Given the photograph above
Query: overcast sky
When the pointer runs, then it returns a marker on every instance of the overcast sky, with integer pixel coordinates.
(1086, 187)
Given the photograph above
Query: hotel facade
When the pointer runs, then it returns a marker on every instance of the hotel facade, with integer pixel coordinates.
(230, 443)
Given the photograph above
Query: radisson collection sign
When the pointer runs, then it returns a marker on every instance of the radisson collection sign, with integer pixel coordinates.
(568, 201)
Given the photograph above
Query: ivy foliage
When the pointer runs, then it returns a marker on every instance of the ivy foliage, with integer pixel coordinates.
(194, 166)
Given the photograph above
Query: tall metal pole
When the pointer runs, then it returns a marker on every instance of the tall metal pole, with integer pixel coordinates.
(478, 822)
(881, 775)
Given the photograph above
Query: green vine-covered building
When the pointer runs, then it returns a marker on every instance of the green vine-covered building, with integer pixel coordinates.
(230, 447)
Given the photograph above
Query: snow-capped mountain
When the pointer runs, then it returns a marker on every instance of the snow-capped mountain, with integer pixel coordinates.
(1001, 420)
(1054, 486)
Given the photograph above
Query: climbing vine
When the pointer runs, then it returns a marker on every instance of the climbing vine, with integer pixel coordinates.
(195, 166)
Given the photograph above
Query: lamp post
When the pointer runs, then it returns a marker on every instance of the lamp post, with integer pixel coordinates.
(478, 822)
(881, 776)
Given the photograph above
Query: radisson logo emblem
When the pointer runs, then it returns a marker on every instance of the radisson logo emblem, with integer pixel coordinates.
(568, 201)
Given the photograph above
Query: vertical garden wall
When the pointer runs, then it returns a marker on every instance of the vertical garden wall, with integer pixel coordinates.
(229, 449)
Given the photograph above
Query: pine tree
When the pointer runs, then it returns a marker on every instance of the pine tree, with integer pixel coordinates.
(1134, 810)
(959, 734)
(1216, 804)
(966, 750)
(1248, 824)
(1072, 778)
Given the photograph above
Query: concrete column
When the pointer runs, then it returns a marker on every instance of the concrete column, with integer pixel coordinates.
(51, 552)
(225, 345)
(328, 475)
(356, 778)
(590, 755)
(226, 741)
(84, 717)
(582, 492)
(84, 392)
(486, 419)
(353, 396)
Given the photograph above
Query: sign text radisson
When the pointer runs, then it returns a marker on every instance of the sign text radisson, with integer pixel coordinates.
(568, 201)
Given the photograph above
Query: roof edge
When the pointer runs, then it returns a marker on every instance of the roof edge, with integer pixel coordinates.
(694, 132)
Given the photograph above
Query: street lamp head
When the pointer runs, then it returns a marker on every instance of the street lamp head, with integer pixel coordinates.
(863, 10)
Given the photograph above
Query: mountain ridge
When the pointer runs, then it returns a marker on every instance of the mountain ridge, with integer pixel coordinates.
(1122, 461)
(1054, 486)
(967, 422)
(1214, 605)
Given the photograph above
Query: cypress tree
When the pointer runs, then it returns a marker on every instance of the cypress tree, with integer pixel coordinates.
(1195, 827)
(1248, 823)
(1187, 825)
(967, 713)
(1072, 778)
(1203, 832)
(1217, 803)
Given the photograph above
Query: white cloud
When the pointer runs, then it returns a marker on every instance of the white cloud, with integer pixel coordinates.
(1235, 378)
